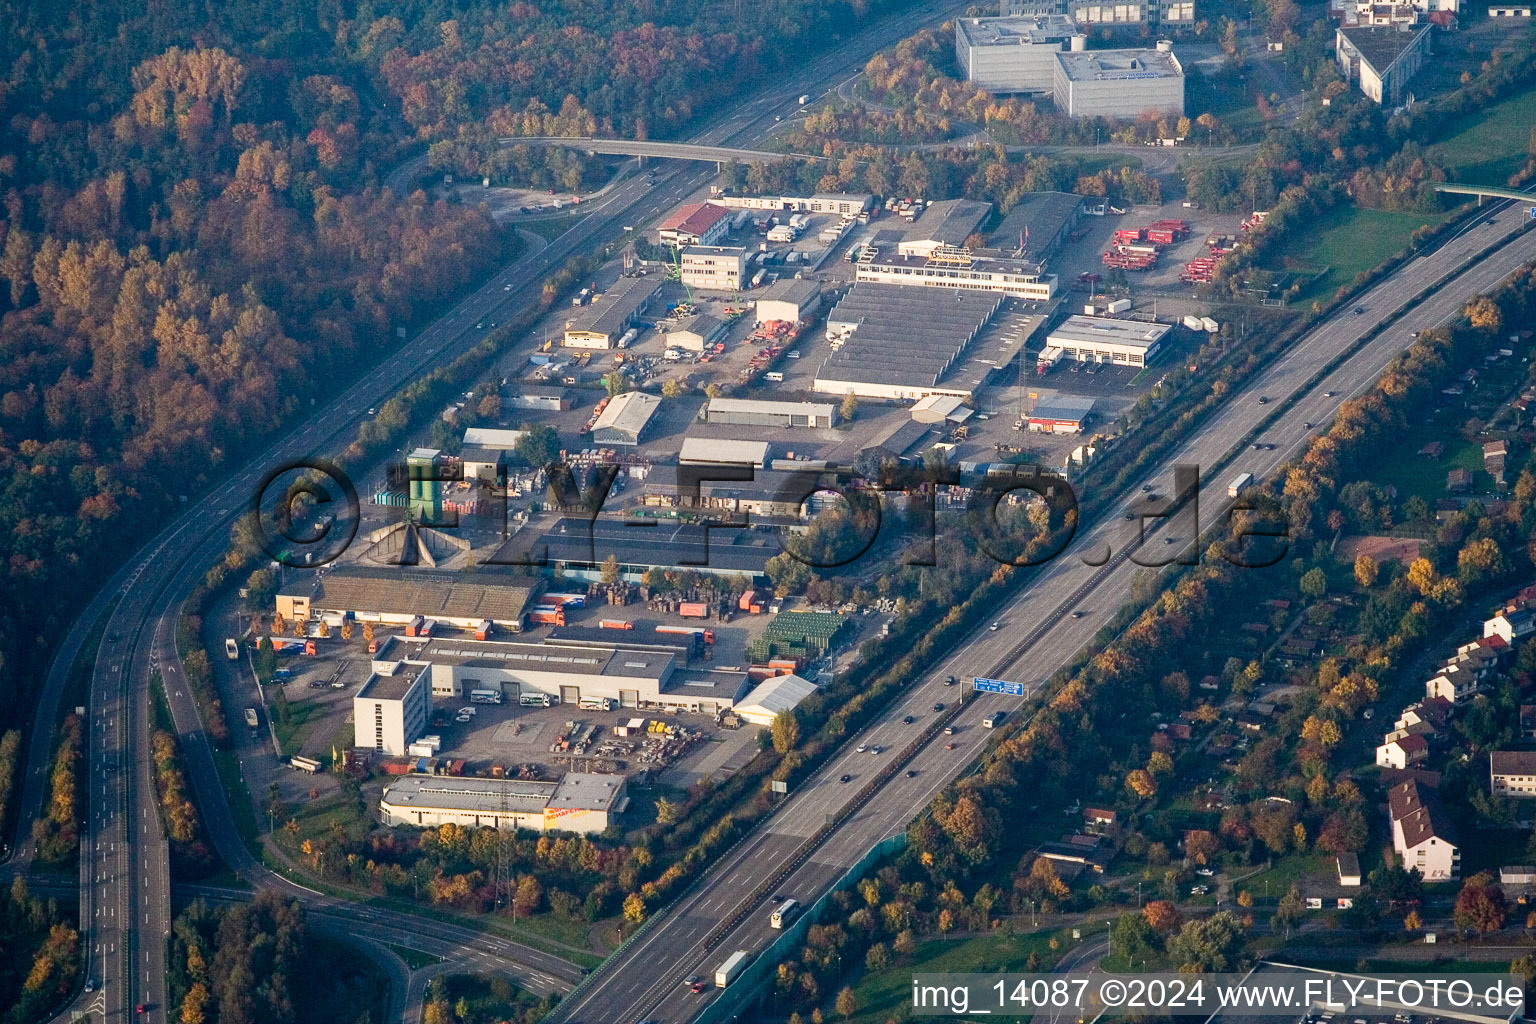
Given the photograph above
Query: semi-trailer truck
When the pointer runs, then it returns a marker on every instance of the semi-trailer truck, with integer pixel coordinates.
(1238, 483)
(733, 966)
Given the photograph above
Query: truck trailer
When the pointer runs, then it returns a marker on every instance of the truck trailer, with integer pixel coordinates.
(733, 966)
(1238, 483)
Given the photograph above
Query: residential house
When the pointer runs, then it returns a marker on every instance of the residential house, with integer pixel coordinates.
(1515, 622)
(1458, 481)
(1512, 773)
(1422, 833)
(1495, 454)
(1401, 751)
(1469, 671)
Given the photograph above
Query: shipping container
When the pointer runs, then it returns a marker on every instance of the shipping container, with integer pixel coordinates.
(615, 624)
(1120, 305)
(1192, 322)
(1210, 325)
(413, 628)
(483, 631)
(574, 600)
(693, 610)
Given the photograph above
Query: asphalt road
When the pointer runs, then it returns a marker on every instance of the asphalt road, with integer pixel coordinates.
(1037, 634)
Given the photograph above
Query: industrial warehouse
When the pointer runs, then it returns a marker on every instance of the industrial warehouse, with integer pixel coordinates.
(789, 299)
(757, 413)
(580, 802)
(896, 342)
(579, 547)
(960, 268)
(625, 419)
(1011, 55)
(1097, 340)
(611, 314)
(1119, 83)
(391, 596)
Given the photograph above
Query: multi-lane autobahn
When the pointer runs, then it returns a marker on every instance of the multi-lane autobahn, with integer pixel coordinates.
(1039, 631)
(125, 893)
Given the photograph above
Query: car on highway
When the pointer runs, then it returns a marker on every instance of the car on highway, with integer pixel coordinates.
(911, 773)
(938, 707)
(1359, 310)
(696, 985)
(995, 626)
(846, 778)
(1263, 399)
(1145, 488)
(1130, 515)
(90, 984)
(877, 749)
(1077, 614)
(949, 730)
(1306, 424)
(480, 326)
(949, 746)
(907, 720)
(862, 748)
(949, 680)
(1329, 394)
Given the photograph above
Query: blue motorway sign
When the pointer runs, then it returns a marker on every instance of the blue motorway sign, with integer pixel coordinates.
(997, 686)
(1532, 212)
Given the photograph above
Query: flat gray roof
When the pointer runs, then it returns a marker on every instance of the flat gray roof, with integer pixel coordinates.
(770, 408)
(1062, 407)
(587, 791)
(487, 796)
(983, 262)
(904, 335)
(1381, 46)
(591, 661)
(1092, 330)
(1023, 30)
(791, 289)
(391, 687)
(1119, 65)
(1045, 214)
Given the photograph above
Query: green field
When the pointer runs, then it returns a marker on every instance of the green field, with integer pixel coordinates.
(1346, 242)
(1412, 473)
(1493, 144)
(292, 733)
(883, 995)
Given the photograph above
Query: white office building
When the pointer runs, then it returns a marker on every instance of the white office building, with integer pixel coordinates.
(717, 268)
(955, 267)
(1118, 83)
(1011, 55)
(1090, 339)
(392, 707)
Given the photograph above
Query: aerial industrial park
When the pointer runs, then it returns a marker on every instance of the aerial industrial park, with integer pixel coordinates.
(682, 516)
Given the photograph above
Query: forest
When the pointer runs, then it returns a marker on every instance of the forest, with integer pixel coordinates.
(261, 963)
(195, 241)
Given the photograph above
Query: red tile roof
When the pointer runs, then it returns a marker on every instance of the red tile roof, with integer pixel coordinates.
(694, 218)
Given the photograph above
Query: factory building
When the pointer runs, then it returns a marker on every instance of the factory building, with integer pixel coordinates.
(944, 224)
(579, 548)
(539, 398)
(1011, 55)
(710, 451)
(719, 268)
(1381, 60)
(1097, 340)
(954, 267)
(696, 333)
(695, 224)
(1118, 83)
(600, 325)
(1063, 414)
(898, 342)
(389, 596)
(789, 299)
(580, 802)
(624, 419)
(487, 464)
(748, 412)
(392, 707)
(1038, 225)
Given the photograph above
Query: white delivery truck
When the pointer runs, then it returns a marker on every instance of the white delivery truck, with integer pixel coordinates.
(733, 965)
(1238, 483)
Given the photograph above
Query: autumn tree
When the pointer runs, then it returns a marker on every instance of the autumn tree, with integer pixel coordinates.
(1480, 905)
(785, 731)
(1366, 570)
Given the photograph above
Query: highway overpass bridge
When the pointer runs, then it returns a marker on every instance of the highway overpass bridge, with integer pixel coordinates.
(669, 150)
(1490, 191)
